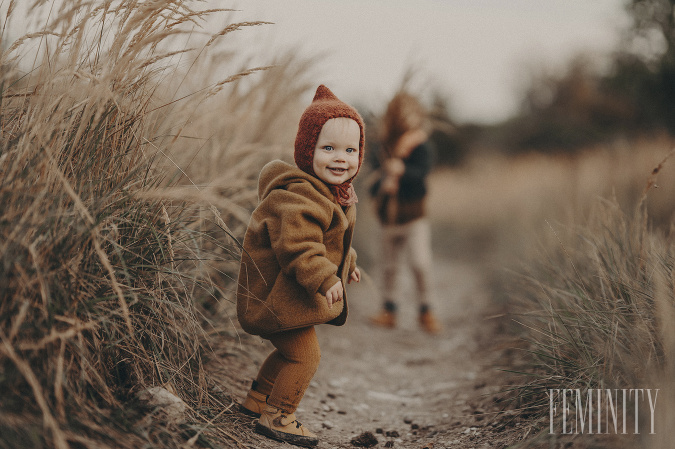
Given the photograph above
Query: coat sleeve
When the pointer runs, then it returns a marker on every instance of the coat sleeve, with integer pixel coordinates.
(418, 164)
(417, 167)
(296, 226)
(352, 260)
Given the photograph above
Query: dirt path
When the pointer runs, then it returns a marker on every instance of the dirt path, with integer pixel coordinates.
(409, 389)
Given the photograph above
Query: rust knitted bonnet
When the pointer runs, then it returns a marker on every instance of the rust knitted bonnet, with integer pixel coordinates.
(325, 106)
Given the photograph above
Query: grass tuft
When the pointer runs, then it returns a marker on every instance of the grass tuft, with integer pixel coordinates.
(596, 307)
(119, 219)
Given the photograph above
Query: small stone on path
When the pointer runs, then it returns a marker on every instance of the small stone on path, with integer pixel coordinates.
(366, 439)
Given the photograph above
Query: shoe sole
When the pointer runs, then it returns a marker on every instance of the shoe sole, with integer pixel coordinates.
(248, 412)
(284, 437)
(383, 325)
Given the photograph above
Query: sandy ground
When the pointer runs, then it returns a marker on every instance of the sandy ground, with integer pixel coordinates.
(407, 388)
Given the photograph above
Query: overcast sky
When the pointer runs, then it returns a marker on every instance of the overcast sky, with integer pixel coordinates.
(476, 51)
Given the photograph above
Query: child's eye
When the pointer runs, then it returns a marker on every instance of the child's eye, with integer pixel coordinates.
(328, 148)
(351, 150)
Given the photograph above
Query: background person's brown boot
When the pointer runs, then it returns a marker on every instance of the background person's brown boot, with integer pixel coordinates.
(386, 317)
(428, 321)
(255, 402)
(281, 426)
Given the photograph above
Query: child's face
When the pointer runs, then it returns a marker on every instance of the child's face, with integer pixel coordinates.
(336, 155)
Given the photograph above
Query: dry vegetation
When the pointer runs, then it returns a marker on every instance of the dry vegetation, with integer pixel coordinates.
(515, 201)
(585, 268)
(117, 153)
(125, 171)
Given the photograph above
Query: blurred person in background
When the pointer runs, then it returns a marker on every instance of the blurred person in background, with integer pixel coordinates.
(405, 160)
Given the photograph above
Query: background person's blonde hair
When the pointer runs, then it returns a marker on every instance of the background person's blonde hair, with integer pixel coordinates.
(404, 113)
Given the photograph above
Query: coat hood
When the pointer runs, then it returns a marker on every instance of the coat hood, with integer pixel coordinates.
(280, 175)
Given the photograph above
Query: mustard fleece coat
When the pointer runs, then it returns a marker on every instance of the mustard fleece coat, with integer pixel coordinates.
(297, 246)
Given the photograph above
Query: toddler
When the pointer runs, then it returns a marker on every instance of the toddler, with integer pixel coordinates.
(400, 198)
(297, 258)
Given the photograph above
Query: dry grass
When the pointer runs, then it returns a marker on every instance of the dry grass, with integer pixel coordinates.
(582, 259)
(585, 258)
(104, 259)
(511, 203)
(126, 172)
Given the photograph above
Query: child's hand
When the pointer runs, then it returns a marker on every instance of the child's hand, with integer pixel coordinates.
(334, 294)
(389, 185)
(394, 167)
(355, 276)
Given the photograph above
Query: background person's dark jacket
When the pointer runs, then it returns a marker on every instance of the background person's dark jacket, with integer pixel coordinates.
(409, 203)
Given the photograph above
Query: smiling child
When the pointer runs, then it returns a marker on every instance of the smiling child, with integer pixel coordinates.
(297, 258)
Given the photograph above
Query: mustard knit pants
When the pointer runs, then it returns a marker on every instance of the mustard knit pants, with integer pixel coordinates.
(287, 371)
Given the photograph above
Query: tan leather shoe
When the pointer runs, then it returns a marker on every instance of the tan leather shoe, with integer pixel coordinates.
(384, 319)
(429, 323)
(254, 404)
(281, 426)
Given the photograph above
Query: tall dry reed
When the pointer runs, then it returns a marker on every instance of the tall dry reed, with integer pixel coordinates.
(596, 307)
(102, 257)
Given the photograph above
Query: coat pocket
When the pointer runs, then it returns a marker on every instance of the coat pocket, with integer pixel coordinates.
(294, 308)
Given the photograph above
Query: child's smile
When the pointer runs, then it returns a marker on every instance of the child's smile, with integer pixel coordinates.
(336, 155)
(337, 171)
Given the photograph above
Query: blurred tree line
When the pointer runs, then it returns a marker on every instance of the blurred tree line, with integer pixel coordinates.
(583, 106)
